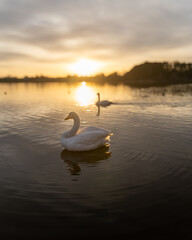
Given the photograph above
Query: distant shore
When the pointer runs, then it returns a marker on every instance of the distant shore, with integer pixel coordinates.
(146, 74)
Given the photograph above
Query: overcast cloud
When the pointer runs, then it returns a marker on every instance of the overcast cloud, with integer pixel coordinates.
(121, 33)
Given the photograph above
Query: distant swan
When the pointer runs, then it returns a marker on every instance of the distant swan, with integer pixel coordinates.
(83, 139)
(103, 103)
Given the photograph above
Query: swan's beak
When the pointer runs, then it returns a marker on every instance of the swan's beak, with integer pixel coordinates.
(67, 118)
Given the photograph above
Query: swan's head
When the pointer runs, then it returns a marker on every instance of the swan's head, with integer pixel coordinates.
(71, 115)
(98, 94)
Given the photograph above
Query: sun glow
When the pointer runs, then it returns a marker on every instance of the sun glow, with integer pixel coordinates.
(85, 67)
(84, 95)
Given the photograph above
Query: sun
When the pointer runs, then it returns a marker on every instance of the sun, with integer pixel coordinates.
(85, 67)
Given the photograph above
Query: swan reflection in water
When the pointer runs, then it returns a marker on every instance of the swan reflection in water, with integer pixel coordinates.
(98, 111)
(74, 159)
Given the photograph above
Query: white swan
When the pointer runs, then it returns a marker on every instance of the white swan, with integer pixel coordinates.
(103, 103)
(83, 139)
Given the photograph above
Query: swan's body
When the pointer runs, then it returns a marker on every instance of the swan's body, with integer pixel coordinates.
(103, 103)
(83, 139)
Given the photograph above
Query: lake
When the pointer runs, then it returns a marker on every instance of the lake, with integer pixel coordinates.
(139, 185)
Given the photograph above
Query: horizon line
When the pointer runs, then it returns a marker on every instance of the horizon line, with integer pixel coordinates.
(93, 75)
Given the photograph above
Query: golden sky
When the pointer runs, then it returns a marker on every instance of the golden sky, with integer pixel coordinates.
(86, 37)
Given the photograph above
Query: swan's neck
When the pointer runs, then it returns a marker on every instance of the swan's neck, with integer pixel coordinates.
(98, 97)
(75, 127)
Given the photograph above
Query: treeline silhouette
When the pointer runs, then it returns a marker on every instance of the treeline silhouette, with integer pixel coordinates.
(146, 74)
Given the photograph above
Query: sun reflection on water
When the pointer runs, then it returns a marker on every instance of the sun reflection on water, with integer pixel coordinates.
(84, 95)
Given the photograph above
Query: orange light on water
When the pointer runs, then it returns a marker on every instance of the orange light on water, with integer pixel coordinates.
(84, 95)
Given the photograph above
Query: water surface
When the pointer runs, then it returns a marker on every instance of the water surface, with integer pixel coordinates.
(140, 184)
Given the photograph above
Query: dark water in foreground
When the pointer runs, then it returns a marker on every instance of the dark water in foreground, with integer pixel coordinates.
(140, 185)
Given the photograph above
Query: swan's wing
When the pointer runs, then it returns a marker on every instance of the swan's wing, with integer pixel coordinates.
(91, 129)
(87, 140)
(104, 103)
(90, 137)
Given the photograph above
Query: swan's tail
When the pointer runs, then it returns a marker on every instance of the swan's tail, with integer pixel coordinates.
(107, 139)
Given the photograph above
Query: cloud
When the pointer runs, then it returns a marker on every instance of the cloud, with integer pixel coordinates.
(110, 30)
